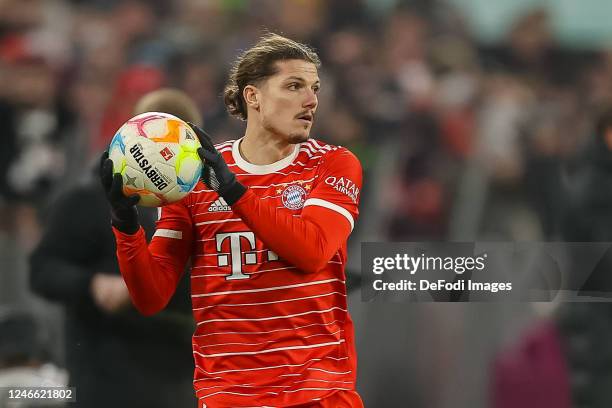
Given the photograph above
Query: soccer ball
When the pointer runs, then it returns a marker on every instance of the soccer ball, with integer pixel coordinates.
(156, 154)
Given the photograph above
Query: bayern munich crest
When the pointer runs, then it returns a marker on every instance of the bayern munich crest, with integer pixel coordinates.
(294, 197)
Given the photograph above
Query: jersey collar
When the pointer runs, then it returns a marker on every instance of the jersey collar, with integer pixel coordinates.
(262, 169)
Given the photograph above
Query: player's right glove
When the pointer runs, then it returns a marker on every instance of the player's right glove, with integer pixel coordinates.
(215, 172)
(124, 215)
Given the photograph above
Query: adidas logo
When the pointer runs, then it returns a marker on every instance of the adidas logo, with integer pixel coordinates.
(219, 206)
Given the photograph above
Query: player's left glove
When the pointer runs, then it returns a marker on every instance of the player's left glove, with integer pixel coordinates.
(215, 173)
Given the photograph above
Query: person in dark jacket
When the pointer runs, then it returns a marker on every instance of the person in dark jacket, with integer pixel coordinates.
(588, 196)
(586, 328)
(114, 355)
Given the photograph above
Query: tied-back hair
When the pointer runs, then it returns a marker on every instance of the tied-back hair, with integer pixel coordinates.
(258, 63)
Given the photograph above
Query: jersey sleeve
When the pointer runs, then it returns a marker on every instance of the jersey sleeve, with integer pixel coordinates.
(337, 187)
(310, 240)
(152, 272)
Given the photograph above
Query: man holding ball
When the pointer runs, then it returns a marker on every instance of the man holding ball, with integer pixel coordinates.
(266, 231)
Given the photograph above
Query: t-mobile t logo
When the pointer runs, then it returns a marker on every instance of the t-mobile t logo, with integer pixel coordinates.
(236, 251)
(250, 258)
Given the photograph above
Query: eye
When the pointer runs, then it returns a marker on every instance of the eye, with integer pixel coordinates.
(294, 86)
(316, 89)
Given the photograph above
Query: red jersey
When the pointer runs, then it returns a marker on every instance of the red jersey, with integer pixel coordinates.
(267, 278)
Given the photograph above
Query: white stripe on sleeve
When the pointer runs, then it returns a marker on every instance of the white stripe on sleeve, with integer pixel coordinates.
(333, 207)
(167, 233)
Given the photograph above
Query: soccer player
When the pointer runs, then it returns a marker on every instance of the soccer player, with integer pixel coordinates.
(266, 230)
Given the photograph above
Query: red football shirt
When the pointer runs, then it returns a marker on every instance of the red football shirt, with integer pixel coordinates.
(267, 278)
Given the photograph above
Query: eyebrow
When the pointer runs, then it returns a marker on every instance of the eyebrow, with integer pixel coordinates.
(296, 78)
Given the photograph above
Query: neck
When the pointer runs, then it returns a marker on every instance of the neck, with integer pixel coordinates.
(261, 147)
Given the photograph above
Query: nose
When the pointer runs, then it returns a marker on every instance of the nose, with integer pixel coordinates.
(311, 100)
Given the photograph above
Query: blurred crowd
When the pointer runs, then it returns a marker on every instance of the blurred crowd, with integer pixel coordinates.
(478, 130)
(458, 139)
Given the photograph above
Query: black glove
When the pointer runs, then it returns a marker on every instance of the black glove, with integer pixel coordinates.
(215, 173)
(124, 215)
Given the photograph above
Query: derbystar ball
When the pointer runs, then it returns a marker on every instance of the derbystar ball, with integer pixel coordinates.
(156, 154)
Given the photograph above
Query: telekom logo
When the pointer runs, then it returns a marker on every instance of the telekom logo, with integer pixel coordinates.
(236, 251)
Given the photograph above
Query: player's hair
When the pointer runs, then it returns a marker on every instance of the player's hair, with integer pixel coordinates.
(172, 101)
(258, 63)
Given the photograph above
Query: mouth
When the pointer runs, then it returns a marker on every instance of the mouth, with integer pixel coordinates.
(306, 117)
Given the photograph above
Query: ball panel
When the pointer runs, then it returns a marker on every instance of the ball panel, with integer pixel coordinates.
(148, 199)
(119, 163)
(176, 194)
(158, 126)
(132, 178)
(188, 170)
(128, 131)
(171, 134)
(189, 136)
(116, 152)
(135, 152)
(160, 178)
(117, 143)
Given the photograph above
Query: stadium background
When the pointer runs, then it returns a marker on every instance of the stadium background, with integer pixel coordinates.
(461, 111)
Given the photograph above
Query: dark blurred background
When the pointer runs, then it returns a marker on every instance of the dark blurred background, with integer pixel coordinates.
(466, 115)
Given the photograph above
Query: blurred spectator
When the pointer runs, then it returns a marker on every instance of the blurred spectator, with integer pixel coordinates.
(113, 353)
(565, 361)
(533, 373)
(587, 217)
(36, 118)
(24, 357)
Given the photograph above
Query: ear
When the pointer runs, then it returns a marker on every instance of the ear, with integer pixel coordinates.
(252, 96)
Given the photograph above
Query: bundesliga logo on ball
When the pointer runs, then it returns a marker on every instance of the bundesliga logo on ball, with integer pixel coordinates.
(156, 154)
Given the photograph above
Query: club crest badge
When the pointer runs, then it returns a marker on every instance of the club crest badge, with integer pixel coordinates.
(294, 197)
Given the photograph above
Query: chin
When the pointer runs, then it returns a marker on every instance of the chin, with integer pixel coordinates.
(298, 137)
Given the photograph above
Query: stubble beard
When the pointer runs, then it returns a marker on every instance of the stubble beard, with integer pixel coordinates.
(299, 137)
(292, 137)
(296, 138)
